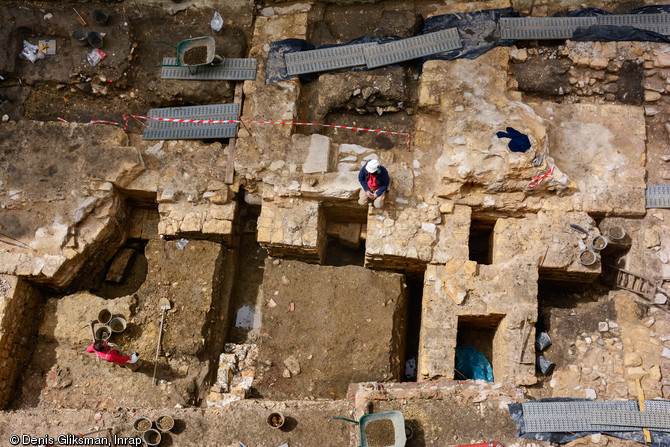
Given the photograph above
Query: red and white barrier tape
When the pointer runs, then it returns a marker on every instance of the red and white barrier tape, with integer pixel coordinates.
(537, 180)
(178, 120)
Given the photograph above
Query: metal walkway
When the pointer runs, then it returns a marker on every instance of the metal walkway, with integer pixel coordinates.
(167, 130)
(532, 28)
(412, 48)
(538, 28)
(232, 69)
(326, 59)
(371, 54)
(595, 416)
(658, 196)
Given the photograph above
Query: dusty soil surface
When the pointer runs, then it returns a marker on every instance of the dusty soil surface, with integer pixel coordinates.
(347, 325)
(128, 79)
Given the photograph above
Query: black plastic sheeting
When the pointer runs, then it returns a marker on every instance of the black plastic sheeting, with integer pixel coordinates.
(658, 438)
(609, 33)
(478, 32)
(276, 67)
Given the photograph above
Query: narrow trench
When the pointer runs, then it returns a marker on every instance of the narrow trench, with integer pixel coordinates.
(246, 297)
(413, 328)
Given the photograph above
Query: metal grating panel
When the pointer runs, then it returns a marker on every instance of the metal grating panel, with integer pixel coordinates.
(658, 196)
(531, 28)
(630, 419)
(231, 70)
(166, 130)
(544, 417)
(202, 132)
(412, 48)
(325, 59)
(659, 23)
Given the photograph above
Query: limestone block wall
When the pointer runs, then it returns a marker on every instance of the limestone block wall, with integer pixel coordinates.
(410, 238)
(19, 304)
(502, 294)
(208, 221)
(293, 228)
(547, 239)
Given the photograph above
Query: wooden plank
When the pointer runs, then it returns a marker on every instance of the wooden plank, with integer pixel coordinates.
(640, 398)
(232, 145)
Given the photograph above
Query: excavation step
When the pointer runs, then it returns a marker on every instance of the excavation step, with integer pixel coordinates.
(658, 196)
(232, 69)
(168, 130)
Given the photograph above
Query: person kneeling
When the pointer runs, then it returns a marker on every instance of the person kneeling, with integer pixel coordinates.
(109, 352)
(374, 180)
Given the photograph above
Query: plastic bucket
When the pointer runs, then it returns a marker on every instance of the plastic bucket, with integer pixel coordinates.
(103, 332)
(616, 233)
(95, 39)
(542, 342)
(80, 36)
(588, 257)
(544, 365)
(142, 424)
(152, 437)
(164, 423)
(275, 420)
(118, 324)
(599, 243)
(101, 16)
(104, 316)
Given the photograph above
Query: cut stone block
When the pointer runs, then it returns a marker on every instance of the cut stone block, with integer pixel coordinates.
(321, 157)
(119, 264)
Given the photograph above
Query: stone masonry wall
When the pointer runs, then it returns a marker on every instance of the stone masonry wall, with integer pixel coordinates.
(505, 292)
(19, 302)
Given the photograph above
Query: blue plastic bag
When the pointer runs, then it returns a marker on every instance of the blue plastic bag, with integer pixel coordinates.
(472, 364)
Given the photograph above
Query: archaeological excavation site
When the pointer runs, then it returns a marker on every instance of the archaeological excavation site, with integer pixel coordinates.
(335, 223)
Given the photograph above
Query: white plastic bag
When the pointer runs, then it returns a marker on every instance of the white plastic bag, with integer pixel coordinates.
(30, 52)
(217, 22)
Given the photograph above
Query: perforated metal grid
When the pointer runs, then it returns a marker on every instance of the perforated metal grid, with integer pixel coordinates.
(658, 196)
(542, 27)
(543, 417)
(631, 420)
(233, 69)
(325, 59)
(652, 22)
(166, 130)
(412, 48)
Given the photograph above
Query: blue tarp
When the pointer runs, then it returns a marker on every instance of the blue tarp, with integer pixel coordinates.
(472, 364)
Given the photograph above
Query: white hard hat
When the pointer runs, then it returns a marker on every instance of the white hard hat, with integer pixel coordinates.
(372, 166)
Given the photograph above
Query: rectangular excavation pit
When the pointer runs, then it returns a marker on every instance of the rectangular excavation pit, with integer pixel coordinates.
(325, 327)
(414, 305)
(481, 240)
(346, 227)
(480, 332)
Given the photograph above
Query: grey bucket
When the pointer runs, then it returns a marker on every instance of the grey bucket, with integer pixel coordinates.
(164, 423)
(95, 39)
(544, 365)
(101, 16)
(152, 437)
(588, 257)
(104, 316)
(599, 243)
(80, 35)
(103, 332)
(117, 324)
(542, 342)
(137, 423)
(616, 233)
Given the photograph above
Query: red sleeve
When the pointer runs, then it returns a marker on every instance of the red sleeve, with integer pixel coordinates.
(113, 356)
(90, 349)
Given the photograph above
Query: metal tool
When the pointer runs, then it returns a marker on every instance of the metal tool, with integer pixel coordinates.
(164, 304)
(80, 18)
(524, 341)
(91, 326)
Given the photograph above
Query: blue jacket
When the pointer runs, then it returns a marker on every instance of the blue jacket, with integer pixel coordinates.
(382, 178)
